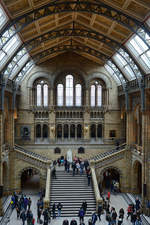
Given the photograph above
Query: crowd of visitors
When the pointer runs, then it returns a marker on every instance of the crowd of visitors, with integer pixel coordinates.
(22, 204)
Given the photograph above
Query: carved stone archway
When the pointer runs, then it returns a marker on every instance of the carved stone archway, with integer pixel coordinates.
(137, 177)
(26, 174)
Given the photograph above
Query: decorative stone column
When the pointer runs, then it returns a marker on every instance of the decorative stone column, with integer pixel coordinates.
(130, 128)
(1, 165)
(146, 155)
(52, 124)
(75, 131)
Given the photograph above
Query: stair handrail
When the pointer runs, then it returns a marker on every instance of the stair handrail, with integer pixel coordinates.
(107, 156)
(113, 151)
(98, 198)
(47, 189)
(32, 154)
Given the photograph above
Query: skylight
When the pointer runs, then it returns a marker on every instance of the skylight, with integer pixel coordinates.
(3, 17)
(140, 50)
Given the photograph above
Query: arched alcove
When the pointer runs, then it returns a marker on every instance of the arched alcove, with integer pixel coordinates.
(30, 179)
(38, 131)
(109, 176)
(93, 131)
(137, 178)
(45, 131)
(66, 131)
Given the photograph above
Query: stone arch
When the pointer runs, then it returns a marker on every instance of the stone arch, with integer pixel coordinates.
(31, 171)
(117, 176)
(38, 74)
(78, 78)
(137, 178)
(74, 70)
(102, 76)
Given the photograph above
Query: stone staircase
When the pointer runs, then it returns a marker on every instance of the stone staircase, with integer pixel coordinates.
(71, 191)
(31, 157)
(107, 153)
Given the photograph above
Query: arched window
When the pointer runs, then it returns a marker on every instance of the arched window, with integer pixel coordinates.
(41, 90)
(69, 90)
(96, 94)
(38, 131)
(99, 95)
(39, 95)
(45, 95)
(60, 95)
(92, 95)
(78, 95)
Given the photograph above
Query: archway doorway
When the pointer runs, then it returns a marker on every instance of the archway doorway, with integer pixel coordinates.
(93, 131)
(79, 131)
(66, 131)
(45, 131)
(99, 131)
(59, 131)
(72, 131)
(110, 176)
(30, 179)
(137, 171)
(38, 131)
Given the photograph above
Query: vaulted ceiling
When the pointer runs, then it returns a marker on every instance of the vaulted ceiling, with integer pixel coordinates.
(90, 27)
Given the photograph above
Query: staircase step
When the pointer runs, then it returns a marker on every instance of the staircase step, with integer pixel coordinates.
(71, 191)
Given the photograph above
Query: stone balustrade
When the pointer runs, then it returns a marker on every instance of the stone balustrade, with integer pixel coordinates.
(96, 189)
(32, 157)
(47, 189)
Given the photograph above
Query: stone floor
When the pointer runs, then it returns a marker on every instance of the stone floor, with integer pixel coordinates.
(116, 200)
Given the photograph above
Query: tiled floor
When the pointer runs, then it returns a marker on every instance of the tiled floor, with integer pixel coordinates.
(116, 200)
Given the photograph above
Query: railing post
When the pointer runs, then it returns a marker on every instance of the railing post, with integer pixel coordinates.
(95, 186)
(47, 190)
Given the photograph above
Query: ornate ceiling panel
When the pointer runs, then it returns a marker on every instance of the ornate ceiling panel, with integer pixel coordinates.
(109, 18)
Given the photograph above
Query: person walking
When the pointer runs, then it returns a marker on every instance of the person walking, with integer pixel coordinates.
(59, 207)
(29, 217)
(100, 209)
(133, 218)
(81, 215)
(46, 218)
(108, 196)
(39, 213)
(137, 204)
(114, 216)
(129, 210)
(73, 168)
(94, 218)
(23, 217)
(54, 211)
(29, 203)
(54, 173)
(120, 220)
(89, 178)
(84, 206)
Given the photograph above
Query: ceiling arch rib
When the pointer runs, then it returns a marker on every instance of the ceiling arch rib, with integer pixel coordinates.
(76, 32)
(75, 6)
(65, 48)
